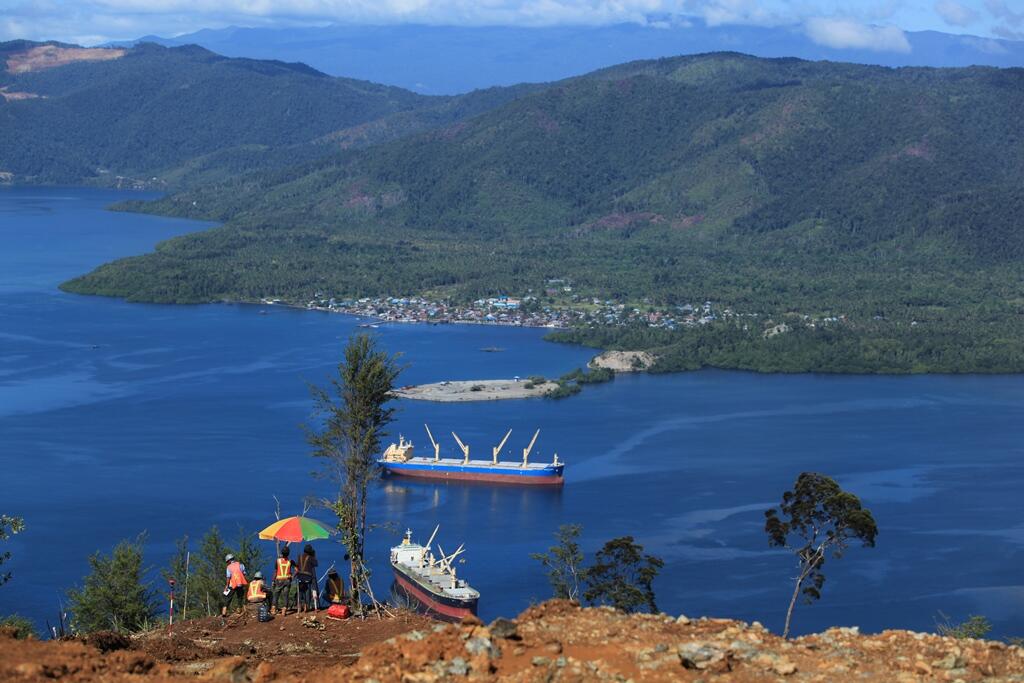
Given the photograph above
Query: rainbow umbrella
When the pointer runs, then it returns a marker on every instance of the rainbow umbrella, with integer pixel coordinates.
(295, 529)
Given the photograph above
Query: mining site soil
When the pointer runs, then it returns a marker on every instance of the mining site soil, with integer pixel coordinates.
(238, 648)
(554, 641)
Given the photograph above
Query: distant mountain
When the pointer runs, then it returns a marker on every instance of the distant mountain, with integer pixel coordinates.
(780, 188)
(450, 59)
(168, 116)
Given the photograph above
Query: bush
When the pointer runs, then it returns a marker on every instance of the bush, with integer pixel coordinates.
(477, 387)
(976, 626)
(114, 596)
(596, 376)
(564, 390)
(20, 627)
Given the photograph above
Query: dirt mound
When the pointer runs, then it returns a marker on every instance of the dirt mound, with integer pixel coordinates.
(554, 641)
(35, 661)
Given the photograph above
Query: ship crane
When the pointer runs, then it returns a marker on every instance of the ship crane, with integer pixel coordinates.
(426, 548)
(463, 447)
(497, 449)
(526, 451)
(446, 562)
(437, 450)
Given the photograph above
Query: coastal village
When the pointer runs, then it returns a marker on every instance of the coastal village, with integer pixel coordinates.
(558, 309)
(528, 311)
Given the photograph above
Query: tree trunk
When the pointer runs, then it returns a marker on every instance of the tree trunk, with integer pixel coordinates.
(792, 603)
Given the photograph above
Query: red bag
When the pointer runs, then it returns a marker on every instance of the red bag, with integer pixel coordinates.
(337, 612)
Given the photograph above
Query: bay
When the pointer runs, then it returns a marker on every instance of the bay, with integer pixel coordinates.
(120, 418)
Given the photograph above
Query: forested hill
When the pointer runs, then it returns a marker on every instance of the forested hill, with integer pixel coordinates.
(783, 188)
(184, 114)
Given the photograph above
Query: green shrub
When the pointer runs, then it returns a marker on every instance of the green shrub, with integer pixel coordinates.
(563, 390)
(114, 595)
(976, 626)
(21, 627)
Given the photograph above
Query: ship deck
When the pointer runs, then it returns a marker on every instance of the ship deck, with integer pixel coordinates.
(439, 581)
(510, 467)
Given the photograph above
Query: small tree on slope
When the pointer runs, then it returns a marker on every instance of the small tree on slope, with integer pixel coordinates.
(623, 576)
(817, 519)
(564, 563)
(355, 415)
(113, 595)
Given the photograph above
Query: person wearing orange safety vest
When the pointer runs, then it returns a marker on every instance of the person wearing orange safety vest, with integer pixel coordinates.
(257, 592)
(235, 586)
(284, 571)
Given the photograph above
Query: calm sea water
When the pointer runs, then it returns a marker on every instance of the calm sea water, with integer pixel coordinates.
(119, 418)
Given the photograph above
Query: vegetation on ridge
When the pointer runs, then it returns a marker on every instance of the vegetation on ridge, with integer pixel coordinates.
(885, 199)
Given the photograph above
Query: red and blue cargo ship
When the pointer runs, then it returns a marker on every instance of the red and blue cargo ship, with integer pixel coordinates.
(432, 581)
(399, 460)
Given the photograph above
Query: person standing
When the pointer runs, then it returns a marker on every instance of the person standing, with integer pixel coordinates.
(284, 571)
(236, 583)
(306, 576)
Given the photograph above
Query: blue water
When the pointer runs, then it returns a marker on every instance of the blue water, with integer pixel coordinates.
(118, 418)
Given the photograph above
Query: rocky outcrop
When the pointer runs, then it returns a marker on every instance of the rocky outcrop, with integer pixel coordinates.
(623, 361)
(559, 641)
(554, 641)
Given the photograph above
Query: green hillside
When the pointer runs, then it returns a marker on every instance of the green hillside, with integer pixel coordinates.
(780, 188)
(187, 115)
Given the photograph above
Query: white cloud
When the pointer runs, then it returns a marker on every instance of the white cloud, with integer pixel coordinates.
(720, 12)
(843, 34)
(1010, 21)
(956, 14)
(1000, 10)
(986, 45)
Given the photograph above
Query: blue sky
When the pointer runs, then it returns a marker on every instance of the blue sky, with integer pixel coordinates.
(877, 24)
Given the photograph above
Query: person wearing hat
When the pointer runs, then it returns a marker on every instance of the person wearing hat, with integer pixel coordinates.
(306, 577)
(281, 588)
(235, 586)
(257, 592)
(334, 588)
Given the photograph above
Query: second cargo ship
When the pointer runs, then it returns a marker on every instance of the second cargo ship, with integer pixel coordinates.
(399, 460)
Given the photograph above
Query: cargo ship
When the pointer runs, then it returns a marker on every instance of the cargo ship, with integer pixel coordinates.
(430, 581)
(399, 460)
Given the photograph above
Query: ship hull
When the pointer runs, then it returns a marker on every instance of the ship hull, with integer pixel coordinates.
(439, 605)
(549, 475)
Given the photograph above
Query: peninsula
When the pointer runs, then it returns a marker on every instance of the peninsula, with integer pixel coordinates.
(477, 390)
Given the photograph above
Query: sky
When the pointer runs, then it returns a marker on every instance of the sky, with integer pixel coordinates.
(871, 24)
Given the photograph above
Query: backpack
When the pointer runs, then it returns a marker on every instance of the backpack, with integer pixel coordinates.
(337, 612)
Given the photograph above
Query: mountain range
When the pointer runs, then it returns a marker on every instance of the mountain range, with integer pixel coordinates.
(168, 116)
(456, 59)
(852, 218)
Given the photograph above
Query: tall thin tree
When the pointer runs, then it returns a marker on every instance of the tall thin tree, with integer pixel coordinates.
(817, 519)
(354, 411)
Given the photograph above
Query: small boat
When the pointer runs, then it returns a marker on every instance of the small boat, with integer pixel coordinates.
(400, 460)
(430, 581)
